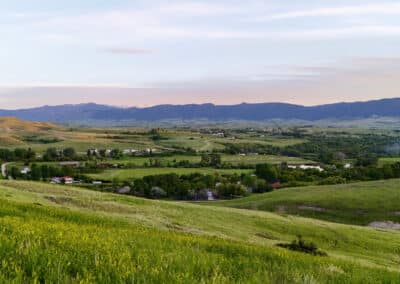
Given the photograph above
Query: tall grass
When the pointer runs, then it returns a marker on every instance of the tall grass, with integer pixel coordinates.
(90, 237)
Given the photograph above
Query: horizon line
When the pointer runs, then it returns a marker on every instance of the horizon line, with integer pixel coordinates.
(198, 104)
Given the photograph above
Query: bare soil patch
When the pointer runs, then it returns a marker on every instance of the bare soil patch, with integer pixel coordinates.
(385, 225)
(312, 208)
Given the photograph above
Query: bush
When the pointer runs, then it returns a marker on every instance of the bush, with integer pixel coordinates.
(230, 190)
(303, 246)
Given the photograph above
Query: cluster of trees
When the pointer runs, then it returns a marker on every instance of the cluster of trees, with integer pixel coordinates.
(328, 149)
(196, 186)
(104, 153)
(53, 154)
(332, 175)
(43, 172)
(18, 154)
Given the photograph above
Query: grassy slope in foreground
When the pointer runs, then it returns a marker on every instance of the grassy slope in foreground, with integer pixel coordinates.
(62, 234)
(355, 203)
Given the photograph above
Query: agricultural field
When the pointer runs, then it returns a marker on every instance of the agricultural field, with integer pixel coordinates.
(125, 174)
(356, 203)
(63, 234)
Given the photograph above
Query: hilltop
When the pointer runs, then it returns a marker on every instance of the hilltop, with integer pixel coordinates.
(14, 131)
(14, 125)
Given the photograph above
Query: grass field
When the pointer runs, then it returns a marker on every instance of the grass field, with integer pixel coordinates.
(124, 174)
(357, 203)
(62, 234)
(231, 159)
(259, 159)
(385, 161)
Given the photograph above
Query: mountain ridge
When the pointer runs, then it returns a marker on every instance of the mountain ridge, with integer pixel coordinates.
(209, 111)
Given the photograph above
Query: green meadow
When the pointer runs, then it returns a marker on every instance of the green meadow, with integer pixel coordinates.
(354, 203)
(62, 234)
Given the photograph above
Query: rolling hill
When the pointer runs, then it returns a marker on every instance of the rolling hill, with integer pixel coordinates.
(355, 203)
(14, 131)
(64, 234)
(247, 112)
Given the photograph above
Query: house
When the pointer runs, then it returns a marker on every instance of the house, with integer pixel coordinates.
(25, 171)
(210, 195)
(55, 180)
(204, 194)
(64, 180)
(129, 151)
(306, 167)
(67, 180)
(275, 184)
(69, 164)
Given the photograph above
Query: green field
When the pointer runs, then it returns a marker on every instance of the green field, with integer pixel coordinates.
(385, 161)
(231, 159)
(259, 159)
(124, 174)
(356, 203)
(62, 234)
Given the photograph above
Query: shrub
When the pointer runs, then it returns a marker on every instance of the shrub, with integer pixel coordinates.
(303, 246)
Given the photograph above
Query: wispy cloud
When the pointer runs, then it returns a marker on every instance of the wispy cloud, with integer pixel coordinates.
(374, 9)
(121, 50)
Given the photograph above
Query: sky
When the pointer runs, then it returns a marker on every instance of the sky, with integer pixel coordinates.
(149, 52)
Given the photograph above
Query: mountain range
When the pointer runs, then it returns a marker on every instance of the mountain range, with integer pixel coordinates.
(251, 112)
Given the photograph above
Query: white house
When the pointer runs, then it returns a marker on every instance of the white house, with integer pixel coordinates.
(25, 171)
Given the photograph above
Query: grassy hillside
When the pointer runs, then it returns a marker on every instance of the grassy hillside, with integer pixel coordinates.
(357, 203)
(13, 131)
(62, 234)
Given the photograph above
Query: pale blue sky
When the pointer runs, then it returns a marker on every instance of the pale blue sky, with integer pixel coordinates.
(150, 52)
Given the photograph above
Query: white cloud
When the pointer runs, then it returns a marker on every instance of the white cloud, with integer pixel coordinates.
(375, 9)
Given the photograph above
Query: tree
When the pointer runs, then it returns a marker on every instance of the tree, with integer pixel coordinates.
(36, 172)
(45, 171)
(69, 152)
(15, 173)
(266, 171)
(116, 153)
(230, 190)
(51, 154)
(30, 154)
(262, 186)
(388, 171)
(367, 160)
(210, 160)
(103, 153)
